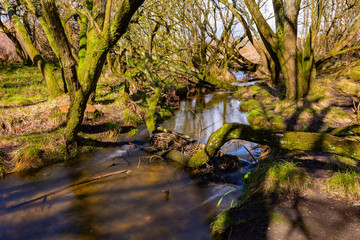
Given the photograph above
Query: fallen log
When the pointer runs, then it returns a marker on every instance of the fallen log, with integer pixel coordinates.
(307, 141)
(351, 130)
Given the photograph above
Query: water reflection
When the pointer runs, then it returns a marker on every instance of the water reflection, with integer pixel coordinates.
(204, 114)
(155, 201)
(130, 206)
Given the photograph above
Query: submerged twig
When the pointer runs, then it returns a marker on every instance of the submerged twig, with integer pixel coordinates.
(251, 154)
(44, 197)
(201, 126)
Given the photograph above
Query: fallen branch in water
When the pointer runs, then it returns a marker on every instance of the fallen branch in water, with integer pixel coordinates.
(44, 197)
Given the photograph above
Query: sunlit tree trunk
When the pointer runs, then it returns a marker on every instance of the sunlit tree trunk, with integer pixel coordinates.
(36, 58)
(288, 48)
(98, 34)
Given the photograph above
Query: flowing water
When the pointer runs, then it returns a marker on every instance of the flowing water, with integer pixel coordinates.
(156, 200)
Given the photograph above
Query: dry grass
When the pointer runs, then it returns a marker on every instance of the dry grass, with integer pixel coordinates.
(344, 185)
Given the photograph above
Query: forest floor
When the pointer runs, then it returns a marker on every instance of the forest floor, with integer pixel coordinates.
(299, 195)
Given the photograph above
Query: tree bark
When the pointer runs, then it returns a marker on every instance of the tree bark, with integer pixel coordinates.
(61, 45)
(19, 50)
(288, 46)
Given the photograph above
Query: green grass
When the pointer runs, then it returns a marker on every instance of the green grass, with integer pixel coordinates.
(354, 73)
(285, 177)
(338, 112)
(344, 184)
(26, 157)
(249, 105)
(130, 118)
(276, 177)
(37, 150)
(21, 85)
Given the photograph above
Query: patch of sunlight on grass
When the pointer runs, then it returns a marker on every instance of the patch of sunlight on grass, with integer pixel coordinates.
(344, 184)
(285, 177)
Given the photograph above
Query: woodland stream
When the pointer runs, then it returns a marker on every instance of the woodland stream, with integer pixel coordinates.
(156, 200)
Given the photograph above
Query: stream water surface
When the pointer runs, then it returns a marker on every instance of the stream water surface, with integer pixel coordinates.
(156, 200)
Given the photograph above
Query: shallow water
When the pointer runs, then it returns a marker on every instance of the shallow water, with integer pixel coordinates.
(156, 200)
(204, 114)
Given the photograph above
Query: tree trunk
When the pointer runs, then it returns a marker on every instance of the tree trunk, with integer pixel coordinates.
(307, 141)
(19, 50)
(57, 37)
(35, 56)
(150, 117)
(288, 46)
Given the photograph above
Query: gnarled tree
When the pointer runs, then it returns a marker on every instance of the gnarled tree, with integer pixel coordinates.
(101, 24)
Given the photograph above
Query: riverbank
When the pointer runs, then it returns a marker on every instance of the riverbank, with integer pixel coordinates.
(299, 195)
(32, 126)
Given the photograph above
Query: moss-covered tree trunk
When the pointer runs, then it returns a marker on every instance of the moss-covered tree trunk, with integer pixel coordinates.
(31, 51)
(59, 42)
(307, 141)
(100, 29)
(25, 59)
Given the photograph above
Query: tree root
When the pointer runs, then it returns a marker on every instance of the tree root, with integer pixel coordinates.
(307, 141)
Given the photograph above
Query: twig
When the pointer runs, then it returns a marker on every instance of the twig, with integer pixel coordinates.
(139, 163)
(211, 125)
(251, 154)
(230, 143)
(69, 186)
(201, 125)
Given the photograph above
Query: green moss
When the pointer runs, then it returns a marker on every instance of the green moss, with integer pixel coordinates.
(221, 223)
(258, 117)
(277, 122)
(165, 113)
(198, 159)
(343, 162)
(133, 132)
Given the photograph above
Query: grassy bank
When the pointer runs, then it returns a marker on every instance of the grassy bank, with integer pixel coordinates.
(298, 195)
(294, 196)
(32, 125)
